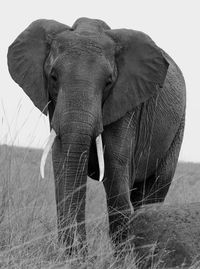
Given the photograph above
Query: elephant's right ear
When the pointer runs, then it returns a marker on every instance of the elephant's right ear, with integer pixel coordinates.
(26, 57)
(141, 69)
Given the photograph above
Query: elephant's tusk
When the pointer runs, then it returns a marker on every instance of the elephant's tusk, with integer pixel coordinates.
(100, 157)
(47, 148)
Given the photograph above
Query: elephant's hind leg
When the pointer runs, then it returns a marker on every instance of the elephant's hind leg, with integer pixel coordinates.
(154, 189)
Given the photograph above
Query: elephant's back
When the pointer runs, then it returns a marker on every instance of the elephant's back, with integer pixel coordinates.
(160, 119)
(172, 98)
(171, 102)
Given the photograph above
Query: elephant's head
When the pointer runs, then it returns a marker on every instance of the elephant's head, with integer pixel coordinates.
(85, 77)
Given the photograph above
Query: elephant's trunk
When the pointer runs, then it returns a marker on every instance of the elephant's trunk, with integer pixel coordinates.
(70, 162)
(75, 131)
(70, 181)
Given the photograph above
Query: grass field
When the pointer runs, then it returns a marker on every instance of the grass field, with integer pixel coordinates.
(28, 237)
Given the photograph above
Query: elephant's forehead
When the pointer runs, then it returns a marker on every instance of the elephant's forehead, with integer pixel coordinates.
(93, 43)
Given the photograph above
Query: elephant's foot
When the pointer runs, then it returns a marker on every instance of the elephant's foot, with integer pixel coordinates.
(72, 245)
(121, 239)
(123, 256)
(75, 254)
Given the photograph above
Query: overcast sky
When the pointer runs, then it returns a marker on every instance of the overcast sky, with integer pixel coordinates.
(173, 24)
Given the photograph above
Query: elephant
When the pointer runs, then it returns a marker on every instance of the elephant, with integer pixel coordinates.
(116, 107)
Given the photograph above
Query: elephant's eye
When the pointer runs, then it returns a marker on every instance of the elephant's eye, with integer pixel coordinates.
(109, 81)
(54, 76)
(107, 88)
(53, 85)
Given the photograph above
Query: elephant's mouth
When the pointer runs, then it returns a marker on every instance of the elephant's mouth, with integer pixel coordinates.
(99, 147)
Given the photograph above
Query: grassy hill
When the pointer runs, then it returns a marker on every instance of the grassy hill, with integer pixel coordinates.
(28, 215)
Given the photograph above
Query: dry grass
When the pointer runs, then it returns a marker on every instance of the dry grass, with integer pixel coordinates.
(28, 235)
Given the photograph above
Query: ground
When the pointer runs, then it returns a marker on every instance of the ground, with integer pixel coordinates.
(28, 215)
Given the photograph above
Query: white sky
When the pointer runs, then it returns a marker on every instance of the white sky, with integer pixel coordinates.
(173, 24)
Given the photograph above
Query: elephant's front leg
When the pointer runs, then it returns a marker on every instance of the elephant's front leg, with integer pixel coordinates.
(118, 202)
(117, 182)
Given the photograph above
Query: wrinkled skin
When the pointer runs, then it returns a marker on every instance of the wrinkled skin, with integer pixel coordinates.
(118, 83)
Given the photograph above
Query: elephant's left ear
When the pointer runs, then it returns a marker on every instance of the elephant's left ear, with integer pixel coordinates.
(141, 70)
